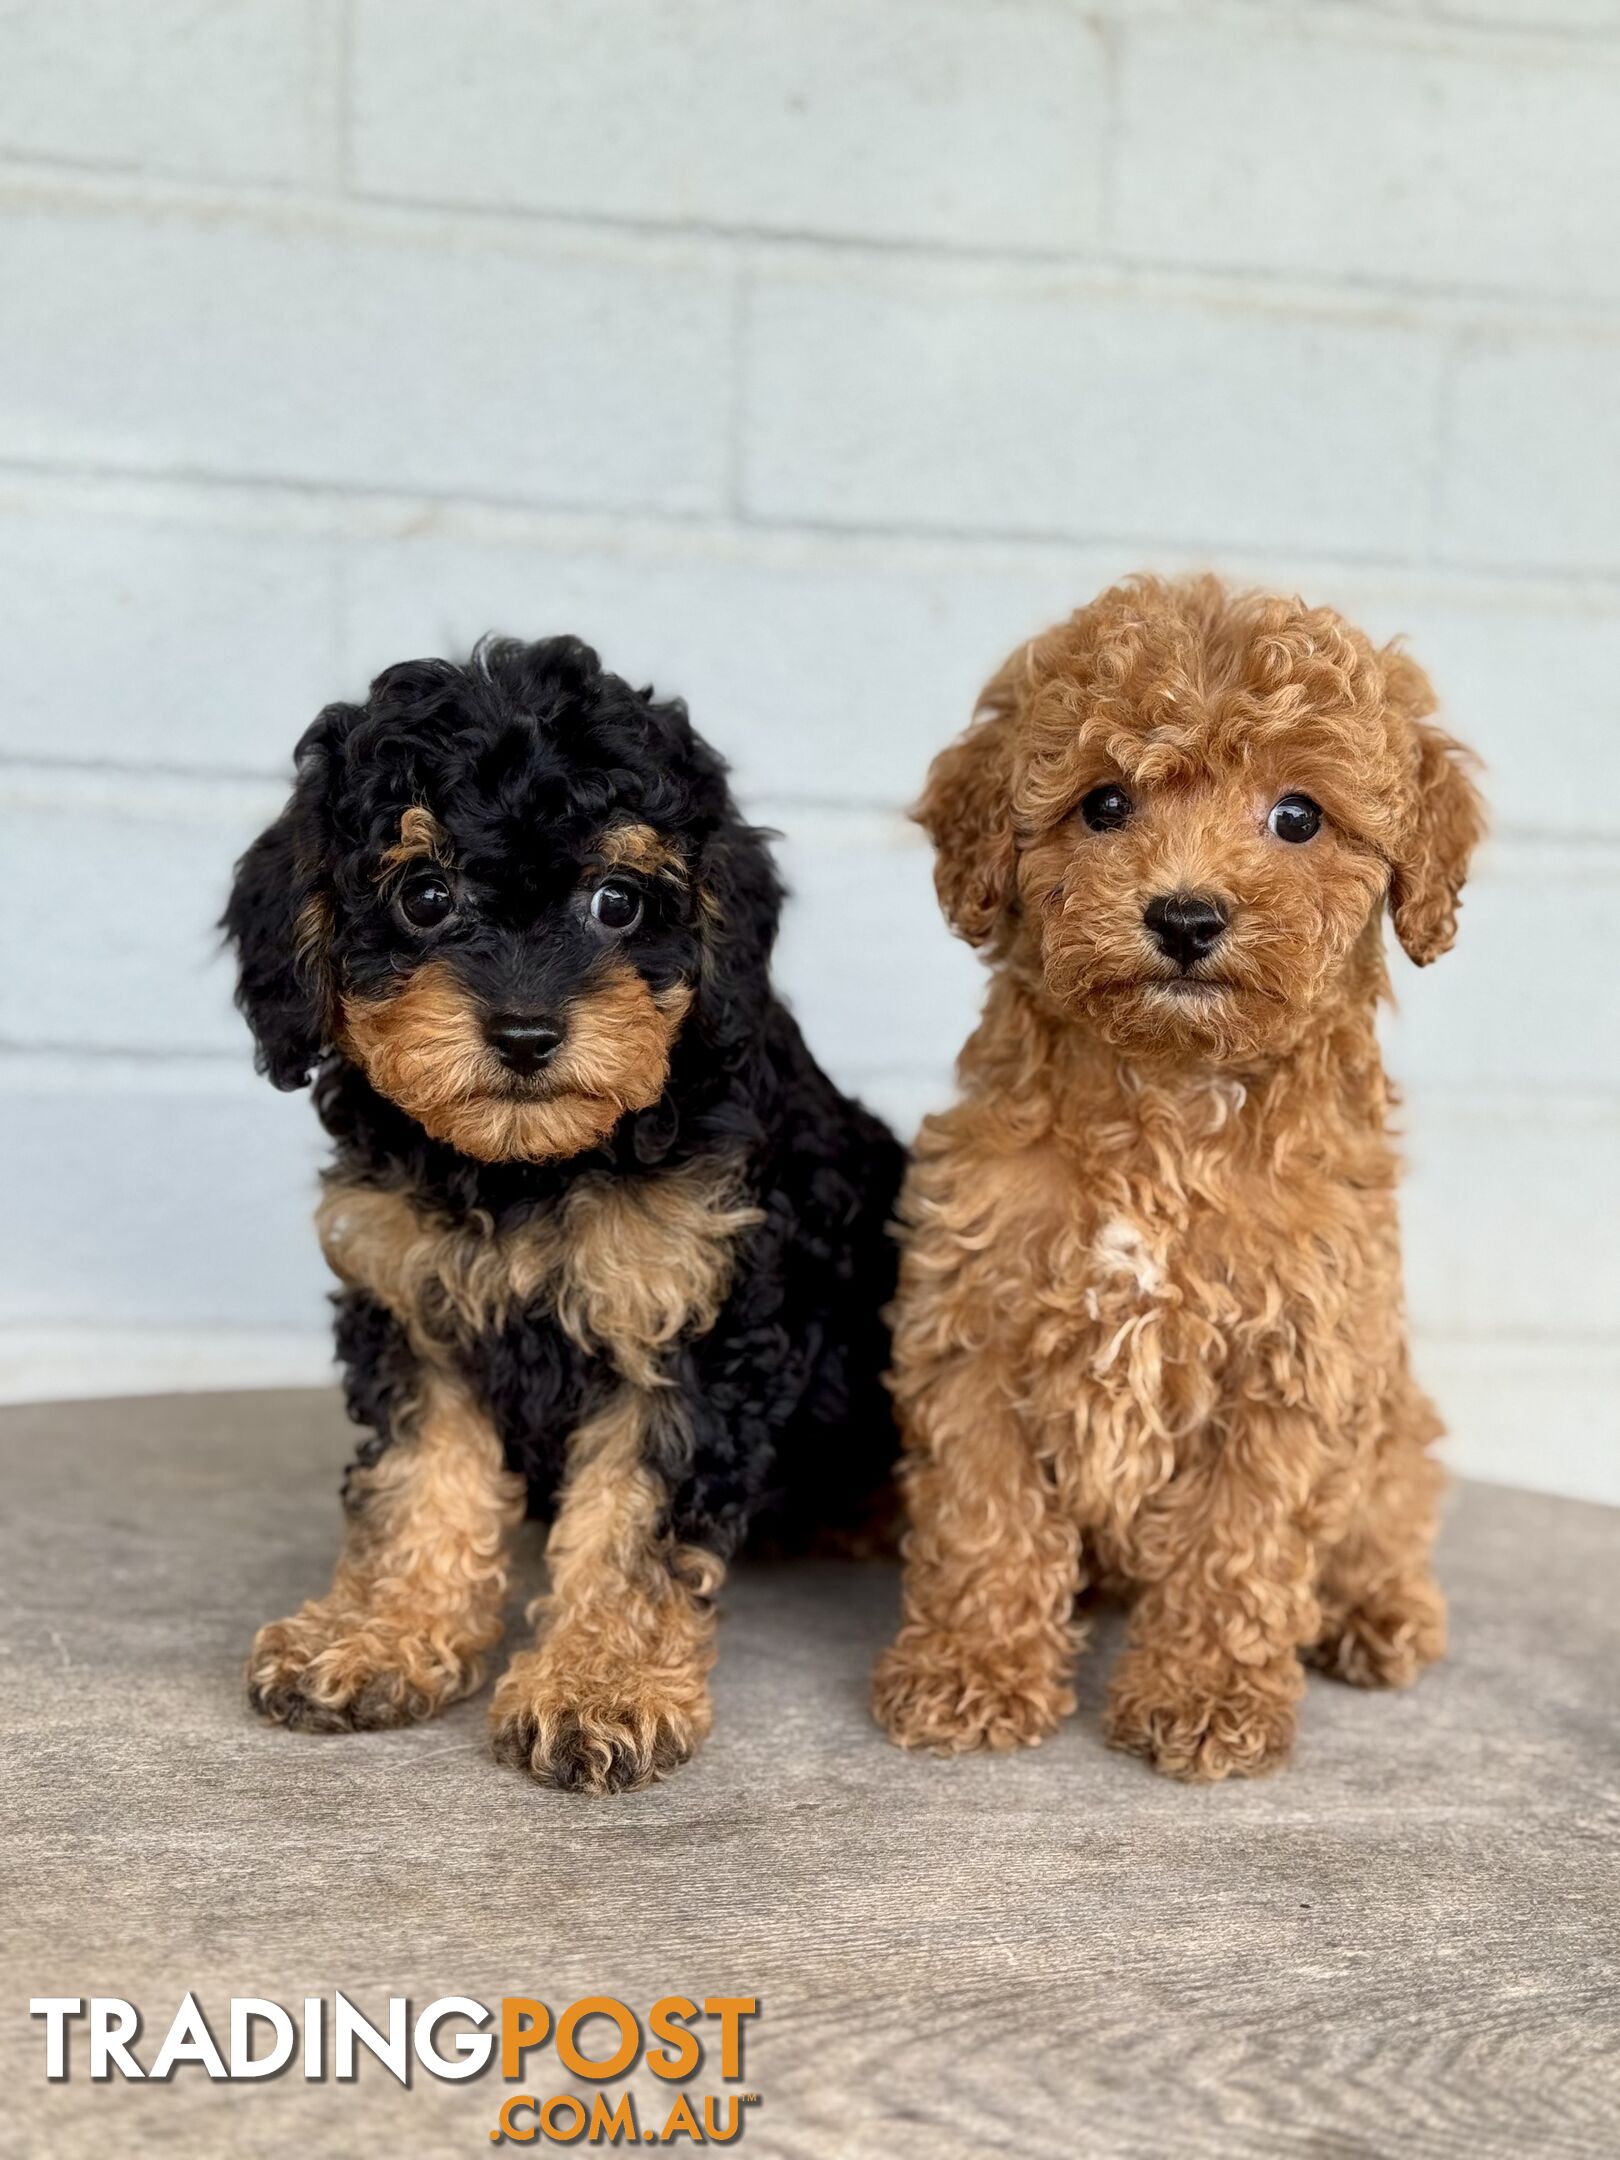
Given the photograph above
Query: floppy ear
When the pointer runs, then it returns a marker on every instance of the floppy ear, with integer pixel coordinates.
(1444, 826)
(739, 897)
(279, 918)
(966, 810)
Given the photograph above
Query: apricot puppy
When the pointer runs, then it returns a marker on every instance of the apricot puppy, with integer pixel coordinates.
(1149, 1329)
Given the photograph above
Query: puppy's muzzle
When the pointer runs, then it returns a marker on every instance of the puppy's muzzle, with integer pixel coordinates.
(524, 1042)
(1186, 927)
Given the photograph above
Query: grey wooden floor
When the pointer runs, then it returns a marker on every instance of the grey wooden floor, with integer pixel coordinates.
(1406, 1945)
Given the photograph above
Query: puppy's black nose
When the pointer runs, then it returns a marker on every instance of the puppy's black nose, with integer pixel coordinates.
(522, 1041)
(1185, 925)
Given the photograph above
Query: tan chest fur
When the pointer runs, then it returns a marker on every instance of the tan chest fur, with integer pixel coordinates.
(624, 1266)
(1136, 1287)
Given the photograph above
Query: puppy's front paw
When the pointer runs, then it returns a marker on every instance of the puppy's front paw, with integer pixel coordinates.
(332, 1668)
(593, 1733)
(1384, 1641)
(1205, 1723)
(932, 1690)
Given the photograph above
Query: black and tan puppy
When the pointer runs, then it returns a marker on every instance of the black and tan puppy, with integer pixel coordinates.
(612, 1244)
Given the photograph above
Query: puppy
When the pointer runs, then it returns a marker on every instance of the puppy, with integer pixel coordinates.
(612, 1245)
(1149, 1328)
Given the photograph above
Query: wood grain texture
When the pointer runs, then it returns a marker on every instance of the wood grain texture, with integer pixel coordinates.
(1404, 1948)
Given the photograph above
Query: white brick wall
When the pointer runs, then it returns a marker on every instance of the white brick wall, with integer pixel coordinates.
(349, 347)
(1385, 150)
(1008, 399)
(805, 356)
(968, 123)
(238, 90)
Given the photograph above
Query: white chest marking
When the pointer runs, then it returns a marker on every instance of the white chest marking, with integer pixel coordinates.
(1121, 1249)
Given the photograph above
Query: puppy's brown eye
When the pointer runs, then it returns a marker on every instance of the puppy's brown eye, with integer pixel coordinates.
(1296, 818)
(426, 900)
(1106, 808)
(616, 906)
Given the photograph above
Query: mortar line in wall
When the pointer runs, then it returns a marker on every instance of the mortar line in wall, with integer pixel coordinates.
(15, 1325)
(108, 172)
(1413, 564)
(1310, 288)
(337, 491)
(22, 762)
(184, 1055)
(1518, 1339)
(1401, 294)
(716, 525)
(1445, 25)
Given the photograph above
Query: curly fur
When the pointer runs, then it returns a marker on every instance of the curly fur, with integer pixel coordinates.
(1149, 1331)
(637, 1290)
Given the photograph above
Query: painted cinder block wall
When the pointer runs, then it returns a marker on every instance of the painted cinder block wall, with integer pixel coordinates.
(806, 355)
